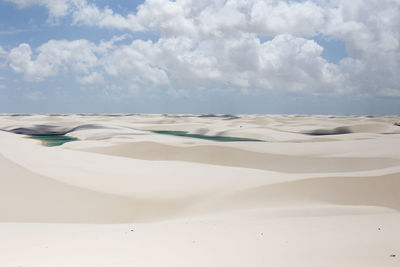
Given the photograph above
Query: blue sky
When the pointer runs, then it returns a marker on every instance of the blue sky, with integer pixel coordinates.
(184, 56)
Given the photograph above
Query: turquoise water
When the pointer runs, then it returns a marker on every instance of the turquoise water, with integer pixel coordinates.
(208, 137)
(54, 140)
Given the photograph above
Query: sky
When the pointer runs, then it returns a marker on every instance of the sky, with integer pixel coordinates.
(208, 56)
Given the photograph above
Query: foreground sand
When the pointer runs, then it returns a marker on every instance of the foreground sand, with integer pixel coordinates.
(321, 191)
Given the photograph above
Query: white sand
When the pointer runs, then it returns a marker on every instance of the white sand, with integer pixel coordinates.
(124, 196)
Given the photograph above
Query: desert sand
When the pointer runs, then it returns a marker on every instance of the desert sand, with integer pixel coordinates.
(309, 191)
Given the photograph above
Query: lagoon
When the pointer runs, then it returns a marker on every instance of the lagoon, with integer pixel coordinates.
(54, 140)
(208, 137)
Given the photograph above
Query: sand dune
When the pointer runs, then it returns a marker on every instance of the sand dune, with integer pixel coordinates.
(228, 156)
(125, 196)
(379, 191)
(30, 193)
(29, 197)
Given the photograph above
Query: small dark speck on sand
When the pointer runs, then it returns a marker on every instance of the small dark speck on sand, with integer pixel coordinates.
(262, 233)
(131, 230)
(379, 228)
(393, 255)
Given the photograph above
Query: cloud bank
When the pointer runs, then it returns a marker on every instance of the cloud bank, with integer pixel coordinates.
(244, 45)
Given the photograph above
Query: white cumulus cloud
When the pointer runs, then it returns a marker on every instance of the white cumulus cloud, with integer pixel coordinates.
(284, 63)
(91, 15)
(86, 61)
(54, 56)
(218, 43)
(209, 17)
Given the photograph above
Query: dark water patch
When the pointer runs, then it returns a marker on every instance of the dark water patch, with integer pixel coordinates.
(338, 130)
(54, 140)
(208, 137)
